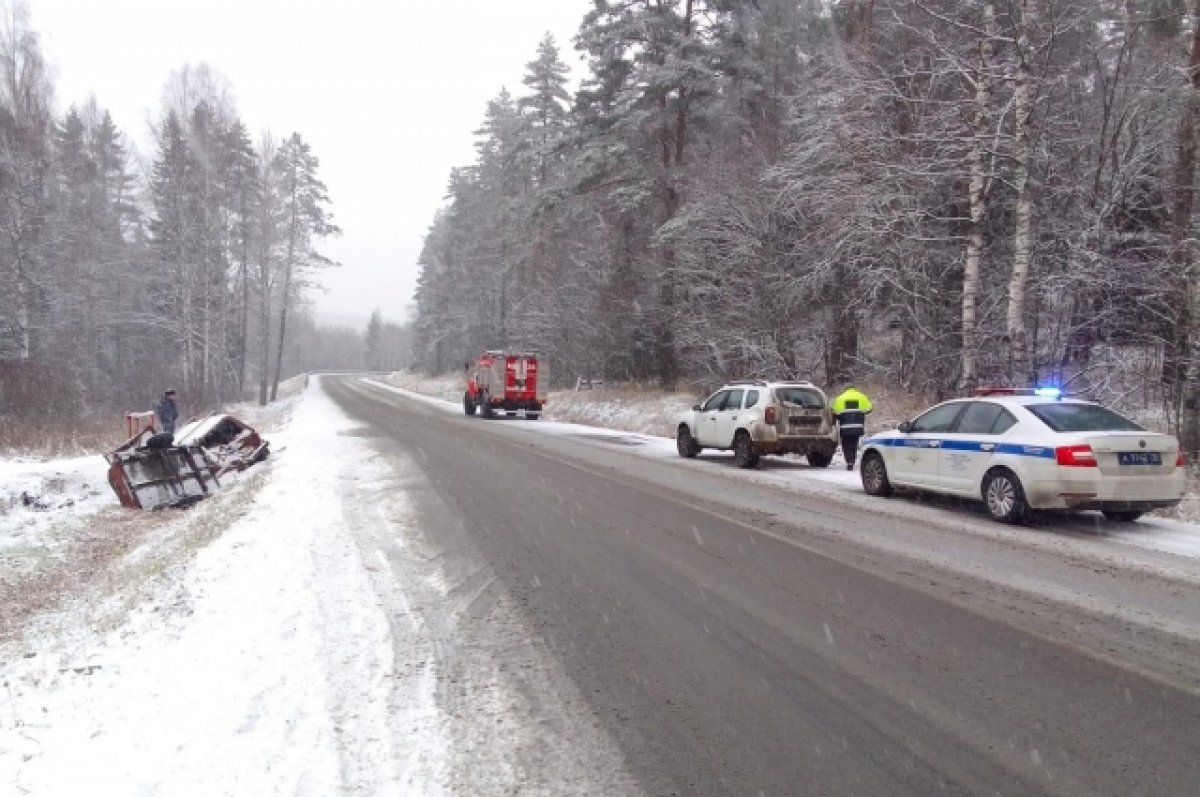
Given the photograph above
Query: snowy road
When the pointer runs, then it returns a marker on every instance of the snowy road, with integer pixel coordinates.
(738, 633)
(408, 601)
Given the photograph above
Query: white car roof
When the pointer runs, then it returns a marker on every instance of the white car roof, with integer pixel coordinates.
(766, 384)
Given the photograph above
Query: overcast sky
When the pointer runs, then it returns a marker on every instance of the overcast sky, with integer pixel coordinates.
(387, 92)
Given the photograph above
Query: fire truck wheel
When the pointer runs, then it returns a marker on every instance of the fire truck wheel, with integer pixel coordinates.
(468, 404)
(532, 416)
(487, 408)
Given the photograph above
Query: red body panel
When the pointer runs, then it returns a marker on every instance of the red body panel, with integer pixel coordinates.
(508, 381)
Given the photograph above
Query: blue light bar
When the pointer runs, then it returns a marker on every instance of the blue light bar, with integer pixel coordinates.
(1048, 392)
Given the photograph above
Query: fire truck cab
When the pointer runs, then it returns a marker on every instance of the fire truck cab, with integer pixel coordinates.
(509, 382)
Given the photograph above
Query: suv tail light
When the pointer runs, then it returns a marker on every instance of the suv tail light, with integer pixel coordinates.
(1181, 459)
(1075, 456)
(771, 416)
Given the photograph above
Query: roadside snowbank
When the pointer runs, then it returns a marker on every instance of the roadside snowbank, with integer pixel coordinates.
(36, 498)
(264, 669)
(629, 409)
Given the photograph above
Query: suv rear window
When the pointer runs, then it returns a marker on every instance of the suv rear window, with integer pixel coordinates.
(1082, 418)
(807, 398)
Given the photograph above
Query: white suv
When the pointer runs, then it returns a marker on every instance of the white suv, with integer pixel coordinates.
(757, 418)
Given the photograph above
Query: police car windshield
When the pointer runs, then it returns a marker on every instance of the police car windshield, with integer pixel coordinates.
(800, 397)
(1082, 418)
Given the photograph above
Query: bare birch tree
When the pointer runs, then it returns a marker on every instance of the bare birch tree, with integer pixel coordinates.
(977, 195)
(1025, 12)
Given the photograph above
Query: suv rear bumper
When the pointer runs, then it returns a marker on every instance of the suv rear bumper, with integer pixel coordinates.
(795, 445)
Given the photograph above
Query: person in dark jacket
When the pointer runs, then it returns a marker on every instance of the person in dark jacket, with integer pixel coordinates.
(851, 408)
(167, 412)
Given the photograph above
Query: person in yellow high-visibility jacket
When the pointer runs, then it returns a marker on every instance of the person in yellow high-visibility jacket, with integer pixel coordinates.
(851, 408)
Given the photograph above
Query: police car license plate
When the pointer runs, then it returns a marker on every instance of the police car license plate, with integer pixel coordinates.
(1139, 458)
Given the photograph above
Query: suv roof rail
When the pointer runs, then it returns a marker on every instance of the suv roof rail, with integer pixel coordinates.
(757, 382)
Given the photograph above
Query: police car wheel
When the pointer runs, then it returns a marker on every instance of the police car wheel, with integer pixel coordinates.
(1122, 515)
(1004, 497)
(874, 475)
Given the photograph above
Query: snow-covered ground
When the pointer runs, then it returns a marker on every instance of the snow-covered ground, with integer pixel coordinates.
(36, 498)
(229, 680)
(302, 640)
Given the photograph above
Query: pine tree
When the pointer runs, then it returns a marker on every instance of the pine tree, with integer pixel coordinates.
(373, 341)
(545, 108)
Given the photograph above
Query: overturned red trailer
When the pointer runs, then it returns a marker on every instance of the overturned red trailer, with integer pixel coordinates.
(152, 471)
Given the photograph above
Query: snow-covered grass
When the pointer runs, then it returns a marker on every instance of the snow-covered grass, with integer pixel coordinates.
(628, 408)
(34, 440)
(1189, 510)
(631, 409)
(63, 534)
(446, 386)
(259, 666)
(29, 440)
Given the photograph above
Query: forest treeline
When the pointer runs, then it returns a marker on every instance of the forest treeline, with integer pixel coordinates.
(933, 193)
(122, 274)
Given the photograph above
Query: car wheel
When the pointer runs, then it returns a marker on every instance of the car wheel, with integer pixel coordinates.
(468, 404)
(743, 450)
(819, 459)
(1122, 515)
(685, 444)
(1004, 497)
(874, 475)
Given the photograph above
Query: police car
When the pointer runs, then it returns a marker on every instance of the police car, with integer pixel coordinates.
(1019, 450)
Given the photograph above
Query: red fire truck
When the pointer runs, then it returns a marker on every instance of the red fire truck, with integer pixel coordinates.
(509, 382)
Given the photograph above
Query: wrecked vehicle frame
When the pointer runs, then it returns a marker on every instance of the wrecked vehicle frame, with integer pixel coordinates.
(154, 471)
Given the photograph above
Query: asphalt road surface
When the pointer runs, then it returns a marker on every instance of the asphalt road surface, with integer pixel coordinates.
(739, 638)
